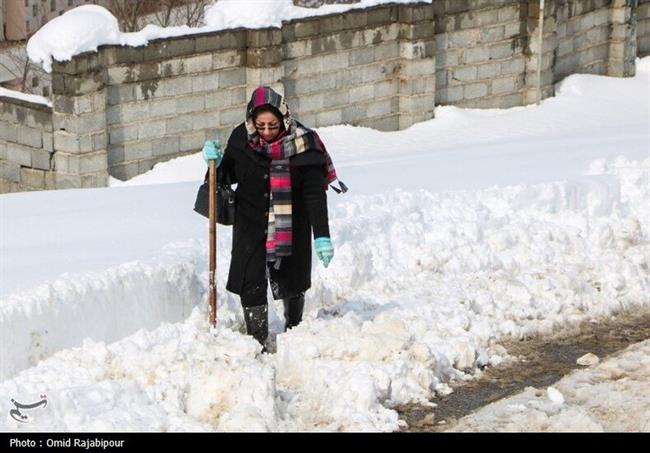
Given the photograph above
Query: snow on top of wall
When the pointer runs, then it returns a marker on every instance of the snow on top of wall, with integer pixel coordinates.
(87, 27)
(24, 97)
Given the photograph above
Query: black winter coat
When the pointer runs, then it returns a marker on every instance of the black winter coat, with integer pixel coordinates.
(250, 170)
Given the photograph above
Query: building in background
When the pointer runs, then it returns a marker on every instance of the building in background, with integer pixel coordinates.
(21, 18)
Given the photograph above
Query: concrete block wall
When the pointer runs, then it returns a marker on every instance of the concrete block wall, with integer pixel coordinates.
(79, 122)
(643, 28)
(121, 110)
(26, 146)
(480, 57)
(579, 36)
(166, 99)
(372, 67)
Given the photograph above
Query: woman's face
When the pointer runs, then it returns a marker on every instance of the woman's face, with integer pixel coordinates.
(267, 125)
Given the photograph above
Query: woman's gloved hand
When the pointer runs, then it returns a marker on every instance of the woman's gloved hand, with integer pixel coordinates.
(212, 151)
(324, 250)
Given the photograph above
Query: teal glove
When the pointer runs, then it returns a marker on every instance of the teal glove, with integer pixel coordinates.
(324, 250)
(212, 151)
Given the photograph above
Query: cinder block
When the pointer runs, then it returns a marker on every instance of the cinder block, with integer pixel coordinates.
(94, 180)
(488, 71)
(465, 73)
(336, 99)
(230, 116)
(387, 124)
(8, 132)
(501, 51)
(511, 100)
(66, 163)
(152, 129)
(463, 38)
(121, 134)
(100, 141)
(186, 104)
(120, 93)
(179, 124)
(175, 86)
(336, 61)
(303, 67)
(312, 102)
(476, 55)
(383, 107)
(449, 95)
(413, 68)
(362, 56)
(137, 151)
(228, 59)
(232, 77)
(448, 58)
(513, 66)
(10, 171)
(375, 72)
(193, 142)
(203, 120)
(492, 34)
(354, 113)
(383, 89)
(115, 155)
(133, 112)
(124, 171)
(41, 159)
(162, 107)
(38, 119)
(198, 63)
(297, 49)
(29, 137)
(503, 85)
(362, 93)
(508, 13)
(205, 82)
(391, 50)
(31, 178)
(93, 162)
(19, 154)
(347, 78)
(329, 118)
(166, 147)
(475, 90)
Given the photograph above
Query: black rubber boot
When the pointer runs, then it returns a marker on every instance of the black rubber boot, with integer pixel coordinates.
(293, 307)
(257, 323)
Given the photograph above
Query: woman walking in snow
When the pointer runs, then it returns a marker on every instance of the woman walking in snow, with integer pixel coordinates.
(281, 169)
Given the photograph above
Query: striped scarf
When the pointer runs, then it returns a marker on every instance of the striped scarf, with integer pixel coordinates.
(292, 141)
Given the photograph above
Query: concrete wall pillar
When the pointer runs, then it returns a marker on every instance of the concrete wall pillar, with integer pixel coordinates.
(623, 42)
(79, 122)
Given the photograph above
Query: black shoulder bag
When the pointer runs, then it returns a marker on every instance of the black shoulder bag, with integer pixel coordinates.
(225, 202)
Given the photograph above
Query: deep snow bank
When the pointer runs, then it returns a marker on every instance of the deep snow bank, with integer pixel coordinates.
(421, 289)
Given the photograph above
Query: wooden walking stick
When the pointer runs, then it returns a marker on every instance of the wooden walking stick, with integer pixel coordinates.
(212, 220)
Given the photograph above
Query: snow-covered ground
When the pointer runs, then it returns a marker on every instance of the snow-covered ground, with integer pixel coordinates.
(613, 396)
(456, 232)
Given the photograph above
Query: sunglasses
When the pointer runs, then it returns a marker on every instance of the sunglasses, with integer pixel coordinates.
(270, 127)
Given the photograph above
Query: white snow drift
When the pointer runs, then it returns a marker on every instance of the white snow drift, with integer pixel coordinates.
(433, 267)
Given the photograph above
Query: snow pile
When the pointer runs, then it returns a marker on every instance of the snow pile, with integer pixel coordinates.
(79, 30)
(444, 246)
(383, 326)
(178, 377)
(614, 396)
(87, 27)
